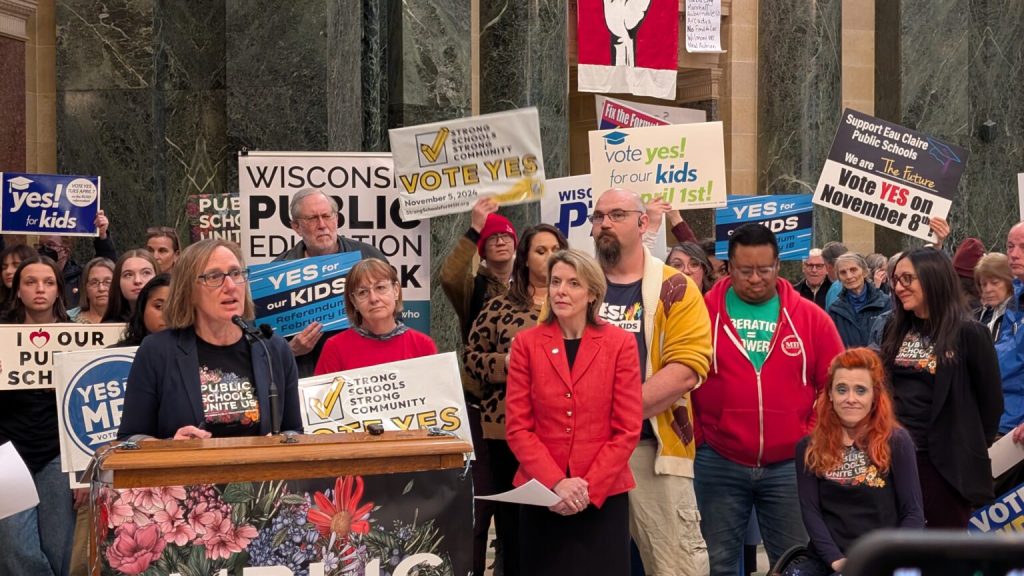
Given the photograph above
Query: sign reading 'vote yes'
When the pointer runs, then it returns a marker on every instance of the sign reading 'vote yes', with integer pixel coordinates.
(27, 350)
(49, 204)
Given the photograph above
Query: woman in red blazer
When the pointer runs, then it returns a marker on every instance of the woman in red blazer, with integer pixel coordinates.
(574, 412)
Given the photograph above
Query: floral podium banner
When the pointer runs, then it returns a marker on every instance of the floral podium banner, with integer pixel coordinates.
(406, 524)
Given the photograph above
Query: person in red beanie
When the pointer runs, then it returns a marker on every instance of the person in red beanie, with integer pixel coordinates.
(492, 237)
(967, 255)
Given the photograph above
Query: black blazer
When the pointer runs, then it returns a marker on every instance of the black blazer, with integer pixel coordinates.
(163, 392)
(966, 407)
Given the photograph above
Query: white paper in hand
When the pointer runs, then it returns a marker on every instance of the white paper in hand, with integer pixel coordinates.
(533, 493)
(15, 483)
(1005, 454)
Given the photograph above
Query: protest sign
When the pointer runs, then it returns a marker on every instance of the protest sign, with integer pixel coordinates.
(49, 204)
(684, 163)
(90, 393)
(1020, 193)
(628, 47)
(27, 350)
(1006, 514)
(789, 216)
(567, 205)
(889, 175)
(292, 294)
(704, 26)
(445, 166)
(214, 216)
(408, 395)
(364, 187)
(612, 113)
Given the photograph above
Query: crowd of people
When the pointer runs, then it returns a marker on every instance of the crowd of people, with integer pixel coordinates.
(663, 402)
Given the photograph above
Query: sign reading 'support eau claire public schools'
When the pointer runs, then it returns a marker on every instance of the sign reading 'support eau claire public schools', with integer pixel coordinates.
(889, 175)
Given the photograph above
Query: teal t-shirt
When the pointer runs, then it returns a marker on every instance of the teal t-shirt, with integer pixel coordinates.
(755, 324)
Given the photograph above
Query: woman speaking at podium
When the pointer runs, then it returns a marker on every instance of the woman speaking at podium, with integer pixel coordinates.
(204, 376)
(574, 412)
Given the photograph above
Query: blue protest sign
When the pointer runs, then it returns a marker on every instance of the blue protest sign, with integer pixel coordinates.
(789, 216)
(1006, 514)
(49, 204)
(290, 295)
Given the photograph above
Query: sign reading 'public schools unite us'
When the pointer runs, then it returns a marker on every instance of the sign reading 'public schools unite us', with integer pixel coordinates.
(889, 175)
(27, 350)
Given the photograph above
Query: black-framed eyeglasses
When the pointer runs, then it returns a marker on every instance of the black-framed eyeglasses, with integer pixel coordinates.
(216, 279)
(615, 216)
(905, 279)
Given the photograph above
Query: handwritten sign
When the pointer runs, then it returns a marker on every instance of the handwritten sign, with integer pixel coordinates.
(703, 25)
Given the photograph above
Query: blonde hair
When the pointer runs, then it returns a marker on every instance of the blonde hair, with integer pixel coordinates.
(361, 274)
(180, 308)
(589, 272)
(994, 265)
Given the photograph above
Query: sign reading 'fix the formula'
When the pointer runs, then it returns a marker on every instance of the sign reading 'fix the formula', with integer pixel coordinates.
(444, 167)
(684, 164)
(889, 175)
(291, 294)
(49, 204)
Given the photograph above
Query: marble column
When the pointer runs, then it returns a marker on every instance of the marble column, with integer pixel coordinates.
(945, 68)
(14, 16)
(799, 99)
(523, 62)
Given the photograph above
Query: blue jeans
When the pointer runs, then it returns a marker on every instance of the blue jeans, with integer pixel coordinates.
(726, 492)
(37, 542)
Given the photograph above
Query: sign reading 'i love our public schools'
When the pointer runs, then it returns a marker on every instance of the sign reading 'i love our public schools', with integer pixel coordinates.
(27, 350)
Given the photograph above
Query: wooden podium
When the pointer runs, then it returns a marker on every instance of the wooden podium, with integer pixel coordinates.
(256, 458)
(300, 502)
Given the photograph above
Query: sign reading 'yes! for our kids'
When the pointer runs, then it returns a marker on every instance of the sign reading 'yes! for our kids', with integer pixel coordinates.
(444, 167)
(889, 175)
(291, 294)
(27, 350)
(682, 163)
(49, 204)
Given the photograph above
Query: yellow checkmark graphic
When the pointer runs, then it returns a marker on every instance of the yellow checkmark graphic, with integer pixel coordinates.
(324, 407)
(434, 150)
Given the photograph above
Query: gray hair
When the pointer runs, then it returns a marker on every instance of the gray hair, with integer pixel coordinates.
(301, 195)
(813, 253)
(855, 258)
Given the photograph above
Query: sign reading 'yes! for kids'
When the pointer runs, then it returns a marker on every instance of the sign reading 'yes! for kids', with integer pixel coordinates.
(27, 350)
(49, 204)
(682, 163)
(444, 167)
(889, 175)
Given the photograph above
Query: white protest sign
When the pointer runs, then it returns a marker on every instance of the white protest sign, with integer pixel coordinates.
(15, 479)
(682, 163)
(27, 350)
(363, 186)
(445, 166)
(704, 26)
(1020, 193)
(90, 397)
(408, 395)
(567, 205)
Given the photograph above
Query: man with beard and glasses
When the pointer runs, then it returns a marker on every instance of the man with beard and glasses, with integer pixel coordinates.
(665, 311)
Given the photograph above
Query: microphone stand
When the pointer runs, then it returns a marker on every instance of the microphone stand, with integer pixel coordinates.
(254, 335)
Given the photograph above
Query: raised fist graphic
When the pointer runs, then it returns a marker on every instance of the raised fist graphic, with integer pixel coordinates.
(623, 18)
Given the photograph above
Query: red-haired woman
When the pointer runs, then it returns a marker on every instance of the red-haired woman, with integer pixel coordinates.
(857, 471)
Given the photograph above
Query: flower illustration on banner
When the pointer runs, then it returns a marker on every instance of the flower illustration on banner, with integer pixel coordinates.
(135, 548)
(342, 515)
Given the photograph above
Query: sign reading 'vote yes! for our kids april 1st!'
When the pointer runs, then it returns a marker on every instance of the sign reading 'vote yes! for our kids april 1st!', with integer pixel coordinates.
(444, 167)
(49, 204)
(291, 294)
(683, 163)
(889, 175)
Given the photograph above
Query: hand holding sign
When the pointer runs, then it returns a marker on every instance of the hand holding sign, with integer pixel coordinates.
(102, 223)
(940, 228)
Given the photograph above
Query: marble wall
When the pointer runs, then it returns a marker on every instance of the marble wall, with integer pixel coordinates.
(12, 102)
(799, 98)
(945, 68)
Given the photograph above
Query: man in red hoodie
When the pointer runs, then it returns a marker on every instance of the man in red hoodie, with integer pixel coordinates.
(772, 350)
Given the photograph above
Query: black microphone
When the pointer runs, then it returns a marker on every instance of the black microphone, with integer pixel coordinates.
(254, 335)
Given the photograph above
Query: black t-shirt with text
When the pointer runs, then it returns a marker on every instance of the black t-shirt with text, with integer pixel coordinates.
(230, 403)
